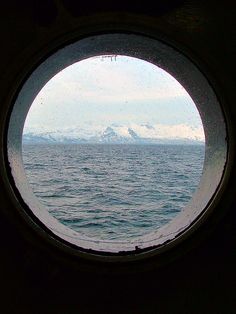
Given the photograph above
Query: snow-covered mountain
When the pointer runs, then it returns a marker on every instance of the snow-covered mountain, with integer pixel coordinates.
(143, 134)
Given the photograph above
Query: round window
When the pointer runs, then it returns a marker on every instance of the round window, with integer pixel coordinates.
(112, 144)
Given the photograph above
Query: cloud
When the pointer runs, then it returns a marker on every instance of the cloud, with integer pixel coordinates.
(170, 131)
(106, 81)
(102, 91)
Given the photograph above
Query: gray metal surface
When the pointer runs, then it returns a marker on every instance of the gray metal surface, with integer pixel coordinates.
(203, 96)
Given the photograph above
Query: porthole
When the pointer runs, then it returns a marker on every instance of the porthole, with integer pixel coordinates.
(159, 55)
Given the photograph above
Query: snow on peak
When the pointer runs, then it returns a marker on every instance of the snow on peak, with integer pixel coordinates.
(116, 133)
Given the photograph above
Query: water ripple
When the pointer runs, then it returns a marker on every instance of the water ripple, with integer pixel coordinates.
(113, 192)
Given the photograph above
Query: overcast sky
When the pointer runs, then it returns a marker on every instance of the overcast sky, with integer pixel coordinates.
(105, 91)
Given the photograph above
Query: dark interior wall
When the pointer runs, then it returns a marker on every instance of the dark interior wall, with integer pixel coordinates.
(199, 275)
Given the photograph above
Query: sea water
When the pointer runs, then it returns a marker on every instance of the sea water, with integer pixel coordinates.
(113, 192)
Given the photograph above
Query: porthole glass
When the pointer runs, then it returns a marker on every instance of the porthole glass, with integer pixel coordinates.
(112, 145)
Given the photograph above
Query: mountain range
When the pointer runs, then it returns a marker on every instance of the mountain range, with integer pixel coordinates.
(116, 134)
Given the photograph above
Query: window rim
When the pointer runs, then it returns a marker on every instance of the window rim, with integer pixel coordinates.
(13, 152)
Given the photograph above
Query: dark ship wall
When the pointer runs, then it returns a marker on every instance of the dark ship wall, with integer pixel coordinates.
(197, 276)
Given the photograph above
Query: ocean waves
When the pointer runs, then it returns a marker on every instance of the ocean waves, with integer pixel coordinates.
(113, 192)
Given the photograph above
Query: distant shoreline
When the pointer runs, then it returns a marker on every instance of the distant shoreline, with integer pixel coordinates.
(121, 144)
